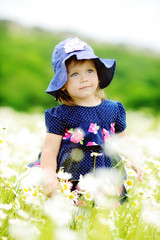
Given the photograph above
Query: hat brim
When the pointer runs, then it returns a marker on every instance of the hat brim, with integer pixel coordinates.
(105, 69)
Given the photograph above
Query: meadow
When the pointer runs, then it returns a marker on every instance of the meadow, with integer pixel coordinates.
(90, 213)
(26, 70)
(93, 211)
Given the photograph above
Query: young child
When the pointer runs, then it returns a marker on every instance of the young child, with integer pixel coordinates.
(80, 128)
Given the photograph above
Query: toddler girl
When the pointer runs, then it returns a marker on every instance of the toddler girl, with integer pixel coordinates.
(79, 129)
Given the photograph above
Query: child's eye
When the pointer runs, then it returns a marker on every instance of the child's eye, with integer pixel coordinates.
(90, 70)
(74, 74)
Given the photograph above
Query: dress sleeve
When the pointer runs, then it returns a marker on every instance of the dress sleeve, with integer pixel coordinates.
(53, 121)
(120, 123)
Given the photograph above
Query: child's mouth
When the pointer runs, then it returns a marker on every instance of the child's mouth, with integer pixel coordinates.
(85, 87)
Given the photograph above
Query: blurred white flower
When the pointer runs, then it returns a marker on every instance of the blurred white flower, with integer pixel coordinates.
(123, 146)
(151, 216)
(65, 233)
(5, 156)
(64, 175)
(23, 230)
(87, 196)
(23, 214)
(32, 177)
(2, 215)
(59, 209)
(157, 164)
(108, 222)
(102, 186)
(88, 183)
(147, 169)
(6, 206)
(153, 183)
(152, 145)
(130, 172)
(7, 172)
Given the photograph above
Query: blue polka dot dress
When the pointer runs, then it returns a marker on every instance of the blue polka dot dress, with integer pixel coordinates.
(86, 132)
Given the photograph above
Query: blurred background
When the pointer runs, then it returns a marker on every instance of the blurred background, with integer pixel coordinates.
(126, 30)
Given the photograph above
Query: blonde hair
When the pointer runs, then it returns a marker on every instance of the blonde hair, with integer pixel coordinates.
(64, 97)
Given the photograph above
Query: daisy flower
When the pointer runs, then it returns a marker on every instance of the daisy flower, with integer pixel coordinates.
(88, 196)
(65, 187)
(64, 175)
(73, 196)
(128, 183)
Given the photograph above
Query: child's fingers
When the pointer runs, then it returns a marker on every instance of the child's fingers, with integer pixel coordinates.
(140, 175)
(50, 188)
(139, 171)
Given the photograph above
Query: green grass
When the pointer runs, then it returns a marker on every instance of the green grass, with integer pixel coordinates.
(26, 70)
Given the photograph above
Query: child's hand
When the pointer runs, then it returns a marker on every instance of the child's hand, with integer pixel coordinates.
(139, 171)
(51, 183)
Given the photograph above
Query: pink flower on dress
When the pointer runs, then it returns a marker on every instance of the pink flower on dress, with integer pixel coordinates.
(113, 128)
(67, 134)
(93, 128)
(77, 136)
(91, 144)
(106, 135)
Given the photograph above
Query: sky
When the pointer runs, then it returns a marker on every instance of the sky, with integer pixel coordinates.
(133, 22)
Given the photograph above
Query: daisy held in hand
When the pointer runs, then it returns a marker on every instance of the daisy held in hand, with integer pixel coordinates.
(85, 122)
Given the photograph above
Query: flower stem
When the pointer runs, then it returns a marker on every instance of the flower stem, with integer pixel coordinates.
(94, 167)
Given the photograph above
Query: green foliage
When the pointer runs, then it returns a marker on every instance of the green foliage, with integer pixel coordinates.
(26, 70)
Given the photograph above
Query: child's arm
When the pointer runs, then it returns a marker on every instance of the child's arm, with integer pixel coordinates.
(49, 162)
(130, 154)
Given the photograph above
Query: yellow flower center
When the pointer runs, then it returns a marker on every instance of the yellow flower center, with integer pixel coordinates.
(1, 141)
(25, 190)
(79, 217)
(88, 195)
(129, 183)
(71, 197)
(35, 193)
(134, 204)
(157, 166)
(24, 197)
(65, 186)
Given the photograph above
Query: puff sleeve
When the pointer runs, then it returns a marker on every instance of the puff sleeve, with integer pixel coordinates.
(53, 121)
(120, 123)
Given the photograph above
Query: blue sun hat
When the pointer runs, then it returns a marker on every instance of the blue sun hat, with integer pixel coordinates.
(74, 46)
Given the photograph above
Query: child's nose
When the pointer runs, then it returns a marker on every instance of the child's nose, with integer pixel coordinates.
(84, 78)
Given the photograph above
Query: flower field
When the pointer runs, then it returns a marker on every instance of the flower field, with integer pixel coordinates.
(89, 213)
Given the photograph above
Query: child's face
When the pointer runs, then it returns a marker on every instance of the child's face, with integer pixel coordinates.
(82, 80)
